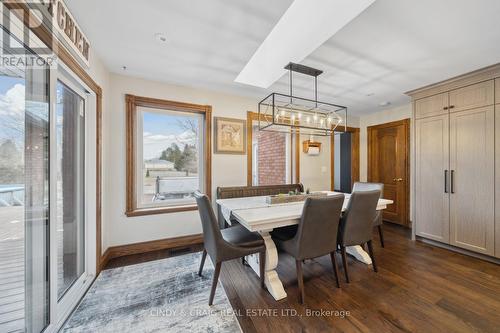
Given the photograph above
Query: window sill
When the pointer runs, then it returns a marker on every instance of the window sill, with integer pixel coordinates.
(160, 210)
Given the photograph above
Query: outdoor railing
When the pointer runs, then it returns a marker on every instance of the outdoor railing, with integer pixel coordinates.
(11, 195)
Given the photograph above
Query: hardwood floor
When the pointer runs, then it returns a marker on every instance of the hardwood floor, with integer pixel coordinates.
(418, 288)
(150, 256)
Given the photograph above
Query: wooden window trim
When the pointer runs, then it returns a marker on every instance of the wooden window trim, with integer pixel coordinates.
(251, 116)
(131, 104)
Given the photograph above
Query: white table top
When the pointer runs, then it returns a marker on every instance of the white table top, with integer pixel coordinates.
(256, 215)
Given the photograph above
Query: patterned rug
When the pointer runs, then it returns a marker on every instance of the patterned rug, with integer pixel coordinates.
(158, 296)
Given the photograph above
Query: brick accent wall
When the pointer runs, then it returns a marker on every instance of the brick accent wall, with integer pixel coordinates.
(271, 158)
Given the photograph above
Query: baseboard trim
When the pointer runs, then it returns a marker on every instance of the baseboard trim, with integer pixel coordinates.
(144, 247)
(459, 250)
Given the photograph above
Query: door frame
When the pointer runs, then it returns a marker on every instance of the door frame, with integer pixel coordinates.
(370, 142)
(61, 308)
(354, 154)
(21, 9)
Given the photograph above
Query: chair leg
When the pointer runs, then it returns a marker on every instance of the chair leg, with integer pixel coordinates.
(214, 282)
(370, 249)
(381, 235)
(300, 280)
(335, 268)
(203, 257)
(262, 261)
(344, 262)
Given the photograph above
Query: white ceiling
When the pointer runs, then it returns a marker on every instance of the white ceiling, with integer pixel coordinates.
(392, 47)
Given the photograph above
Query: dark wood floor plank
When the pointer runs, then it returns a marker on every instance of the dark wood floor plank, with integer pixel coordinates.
(418, 288)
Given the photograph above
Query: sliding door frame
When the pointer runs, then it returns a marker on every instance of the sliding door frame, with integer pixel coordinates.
(60, 308)
(22, 10)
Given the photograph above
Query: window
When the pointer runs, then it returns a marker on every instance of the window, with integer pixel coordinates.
(273, 159)
(168, 155)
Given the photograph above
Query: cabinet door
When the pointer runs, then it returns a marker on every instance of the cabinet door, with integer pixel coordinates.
(497, 168)
(473, 96)
(472, 161)
(431, 106)
(497, 91)
(432, 160)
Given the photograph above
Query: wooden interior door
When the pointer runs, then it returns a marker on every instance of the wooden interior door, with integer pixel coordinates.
(432, 195)
(472, 183)
(388, 163)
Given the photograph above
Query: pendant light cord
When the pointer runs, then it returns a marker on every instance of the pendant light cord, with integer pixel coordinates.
(316, 90)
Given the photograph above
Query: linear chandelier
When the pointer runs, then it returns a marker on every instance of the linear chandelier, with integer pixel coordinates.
(288, 113)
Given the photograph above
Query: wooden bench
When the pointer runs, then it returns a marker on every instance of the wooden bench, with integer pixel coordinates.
(252, 191)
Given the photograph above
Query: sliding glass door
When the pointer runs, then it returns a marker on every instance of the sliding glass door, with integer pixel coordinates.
(24, 195)
(69, 168)
(47, 221)
(70, 185)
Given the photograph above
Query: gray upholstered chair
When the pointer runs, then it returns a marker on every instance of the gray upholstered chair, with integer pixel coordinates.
(230, 243)
(316, 235)
(356, 224)
(377, 221)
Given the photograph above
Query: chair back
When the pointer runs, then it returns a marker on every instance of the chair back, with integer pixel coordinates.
(318, 227)
(212, 236)
(356, 224)
(362, 186)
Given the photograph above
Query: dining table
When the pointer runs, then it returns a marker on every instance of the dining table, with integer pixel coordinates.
(255, 214)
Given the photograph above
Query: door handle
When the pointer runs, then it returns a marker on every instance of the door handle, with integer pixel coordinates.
(397, 179)
(445, 181)
(452, 181)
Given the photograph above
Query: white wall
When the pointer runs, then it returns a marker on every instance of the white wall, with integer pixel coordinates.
(393, 114)
(226, 169)
(315, 171)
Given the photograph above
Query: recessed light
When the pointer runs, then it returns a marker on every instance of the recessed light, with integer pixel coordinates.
(161, 37)
(386, 103)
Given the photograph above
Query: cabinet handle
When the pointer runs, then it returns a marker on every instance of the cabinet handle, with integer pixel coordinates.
(452, 106)
(445, 108)
(445, 181)
(452, 185)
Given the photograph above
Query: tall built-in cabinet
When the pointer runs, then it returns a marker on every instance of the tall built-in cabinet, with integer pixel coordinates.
(457, 161)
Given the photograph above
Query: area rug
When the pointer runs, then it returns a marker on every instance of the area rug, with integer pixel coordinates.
(158, 296)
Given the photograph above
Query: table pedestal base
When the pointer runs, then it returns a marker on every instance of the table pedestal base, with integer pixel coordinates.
(360, 254)
(271, 279)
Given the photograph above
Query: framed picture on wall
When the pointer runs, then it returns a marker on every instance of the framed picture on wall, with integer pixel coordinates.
(230, 136)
